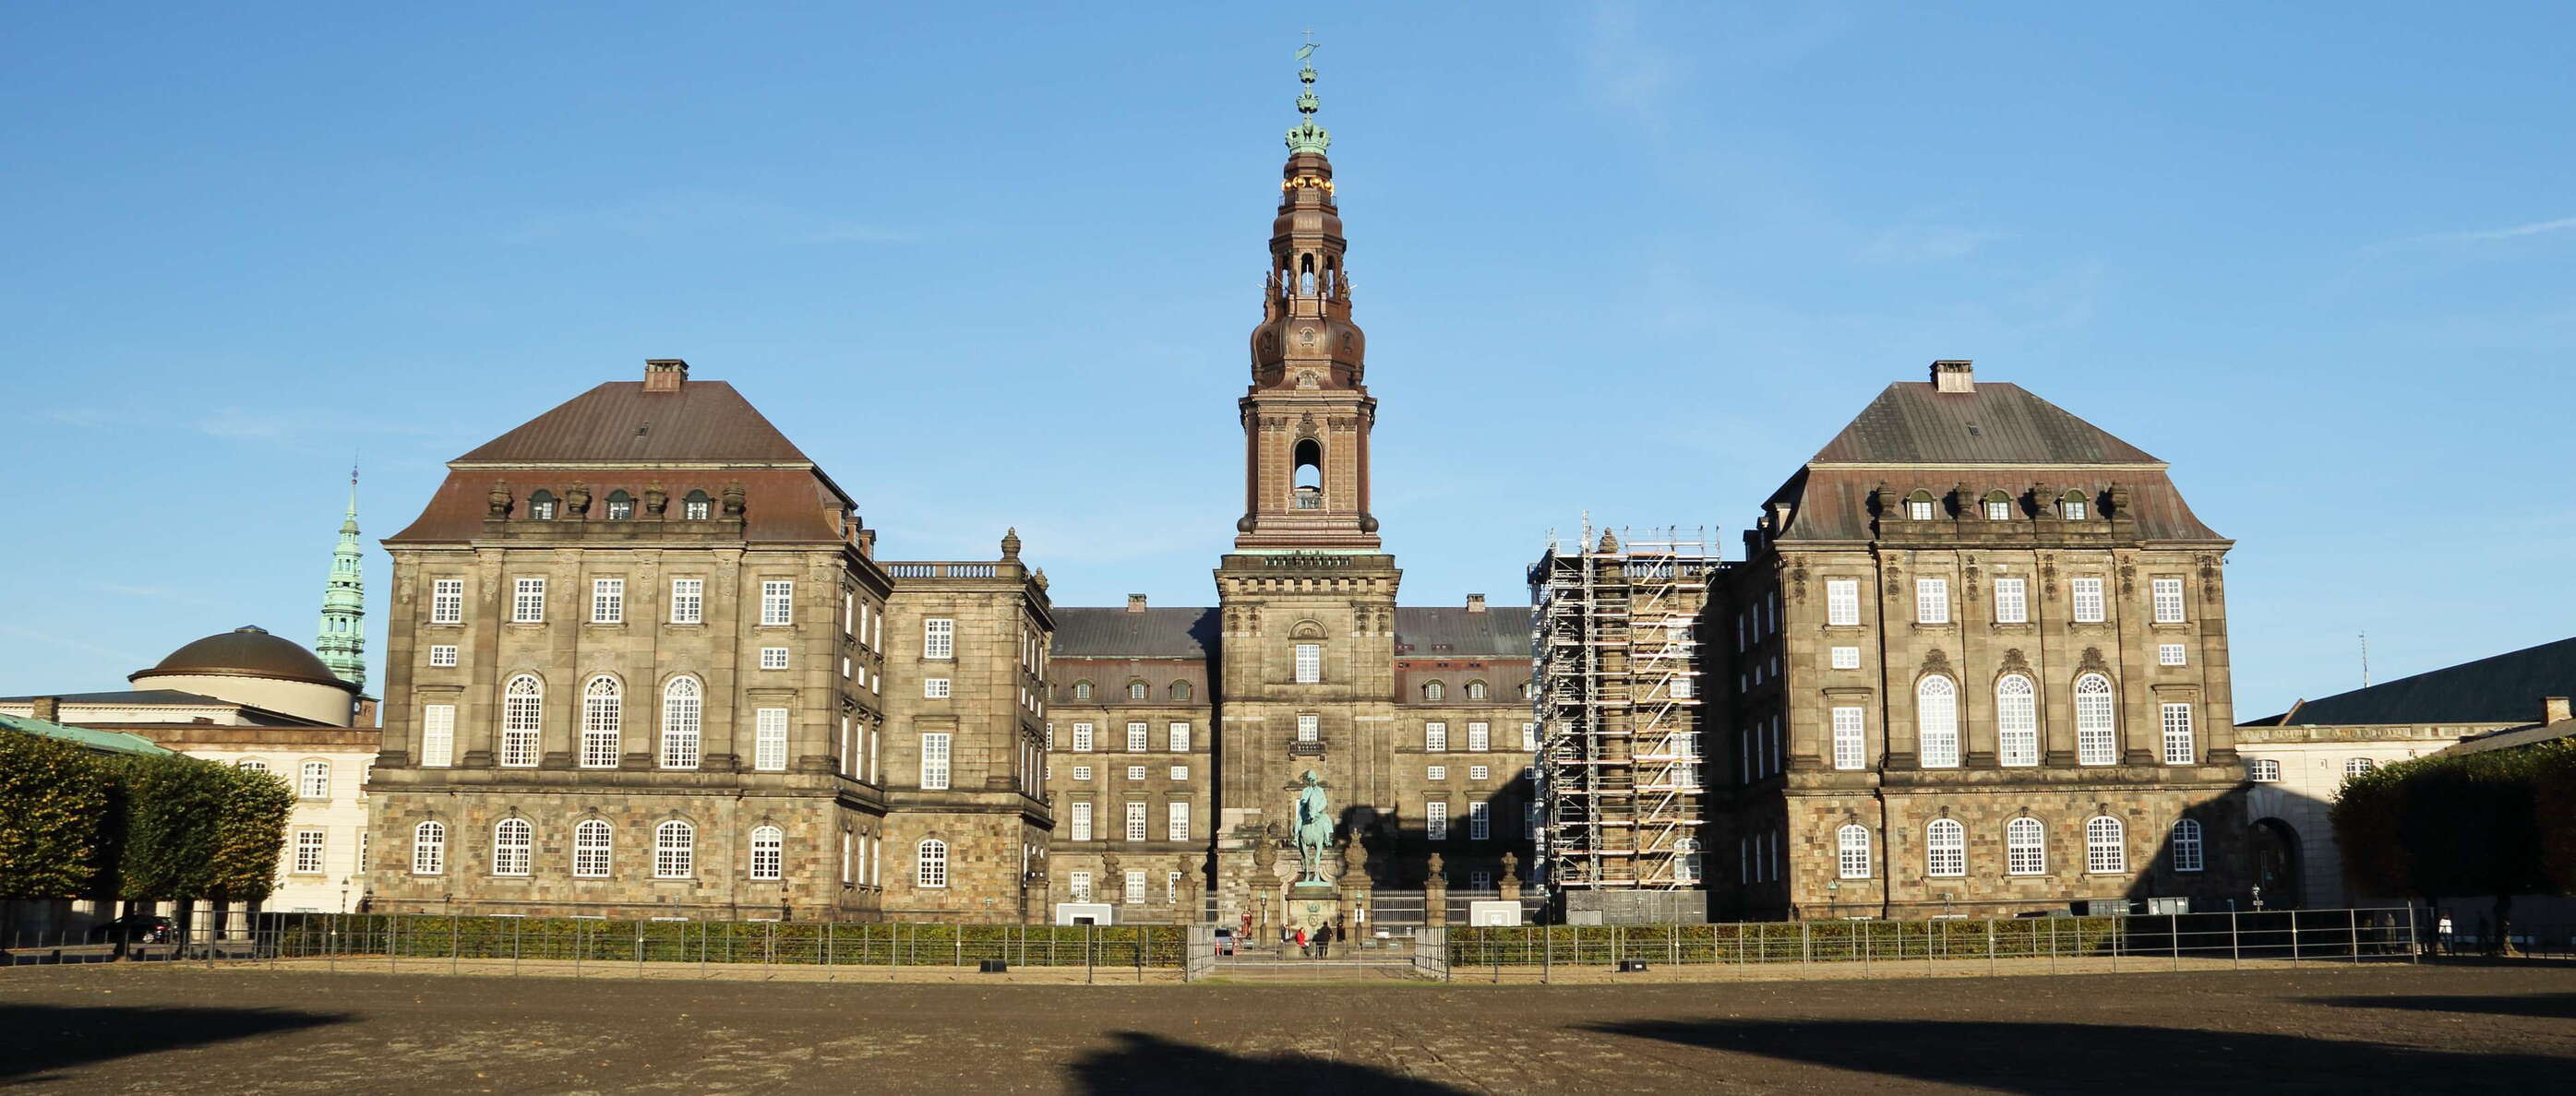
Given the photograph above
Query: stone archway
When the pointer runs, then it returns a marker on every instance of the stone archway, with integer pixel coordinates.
(2277, 867)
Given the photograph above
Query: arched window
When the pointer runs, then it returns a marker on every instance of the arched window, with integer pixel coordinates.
(621, 505)
(2074, 506)
(931, 866)
(2025, 847)
(1476, 690)
(251, 764)
(1936, 722)
(541, 505)
(602, 714)
(523, 709)
(695, 507)
(675, 850)
(768, 854)
(1852, 845)
(2016, 721)
(1136, 690)
(429, 849)
(2186, 846)
(1945, 848)
(511, 841)
(2104, 849)
(590, 850)
(313, 780)
(1180, 690)
(1082, 690)
(1434, 691)
(1309, 476)
(2358, 766)
(681, 703)
(1999, 506)
(1920, 507)
(2095, 733)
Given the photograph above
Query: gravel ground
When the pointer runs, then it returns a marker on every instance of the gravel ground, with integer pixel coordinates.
(2450, 1028)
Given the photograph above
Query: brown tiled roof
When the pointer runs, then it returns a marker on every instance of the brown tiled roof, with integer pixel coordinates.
(1997, 423)
(1501, 631)
(620, 421)
(778, 504)
(1114, 632)
(1833, 503)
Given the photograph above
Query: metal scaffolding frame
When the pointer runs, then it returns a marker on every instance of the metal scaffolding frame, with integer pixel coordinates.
(1615, 653)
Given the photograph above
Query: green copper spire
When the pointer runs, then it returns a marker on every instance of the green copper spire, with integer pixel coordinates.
(1308, 137)
(343, 643)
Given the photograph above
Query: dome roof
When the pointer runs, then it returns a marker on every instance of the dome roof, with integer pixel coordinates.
(247, 651)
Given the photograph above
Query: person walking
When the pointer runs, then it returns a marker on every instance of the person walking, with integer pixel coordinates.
(1301, 942)
(1324, 940)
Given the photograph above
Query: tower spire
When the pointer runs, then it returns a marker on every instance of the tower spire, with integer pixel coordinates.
(343, 641)
(1307, 136)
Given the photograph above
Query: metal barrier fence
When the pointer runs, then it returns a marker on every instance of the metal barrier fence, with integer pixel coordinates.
(2354, 935)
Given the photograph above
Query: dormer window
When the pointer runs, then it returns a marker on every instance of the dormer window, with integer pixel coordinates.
(695, 507)
(621, 506)
(541, 506)
(1919, 506)
(1180, 690)
(1999, 507)
(1136, 690)
(2071, 507)
(1475, 690)
(1082, 690)
(1434, 691)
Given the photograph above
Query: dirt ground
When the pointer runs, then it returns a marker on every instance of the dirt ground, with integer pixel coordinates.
(2451, 1028)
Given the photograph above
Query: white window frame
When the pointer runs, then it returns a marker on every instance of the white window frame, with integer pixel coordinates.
(777, 602)
(514, 843)
(1945, 849)
(1842, 602)
(2358, 766)
(934, 761)
(688, 601)
(2167, 593)
(1846, 658)
(934, 688)
(1135, 772)
(1480, 772)
(2106, 849)
(306, 784)
(2025, 847)
(1176, 820)
(1529, 735)
(310, 847)
(1081, 824)
(938, 639)
(2263, 770)
(1851, 852)
(437, 736)
(930, 864)
(2171, 654)
(2182, 746)
(2012, 600)
(1308, 663)
(768, 854)
(1480, 736)
(1919, 509)
(769, 740)
(2016, 721)
(522, 720)
(1140, 736)
(528, 601)
(608, 601)
(683, 722)
(1078, 885)
(2097, 721)
(773, 658)
(1932, 601)
(675, 850)
(1180, 772)
(1135, 820)
(447, 601)
(1177, 737)
(1936, 722)
(429, 848)
(1082, 737)
(1131, 890)
(1435, 772)
(442, 655)
(1310, 728)
(1998, 510)
(2087, 596)
(1850, 730)
(603, 715)
(590, 858)
(1435, 736)
(1435, 819)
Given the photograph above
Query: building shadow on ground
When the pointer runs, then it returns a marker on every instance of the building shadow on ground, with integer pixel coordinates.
(38, 1039)
(2093, 1058)
(2555, 1006)
(1143, 1063)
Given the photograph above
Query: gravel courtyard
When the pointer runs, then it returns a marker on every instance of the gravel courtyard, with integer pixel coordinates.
(2383, 1028)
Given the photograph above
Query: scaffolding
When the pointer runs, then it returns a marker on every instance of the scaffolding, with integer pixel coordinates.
(1615, 657)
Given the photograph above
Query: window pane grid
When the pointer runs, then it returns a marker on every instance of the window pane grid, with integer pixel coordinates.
(1847, 738)
(675, 850)
(2016, 721)
(2025, 847)
(1945, 846)
(510, 847)
(2012, 603)
(688, 600)
(1852, 852)
(522, 713)
(680, 728)
(1937, 722)
(2094, 731)
(2179, 747)
(777, 602)
(590, 850)
(2103, 850)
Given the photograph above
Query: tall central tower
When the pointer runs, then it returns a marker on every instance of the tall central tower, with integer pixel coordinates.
(343, 642)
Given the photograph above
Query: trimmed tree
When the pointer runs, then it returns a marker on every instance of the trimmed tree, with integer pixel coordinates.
(249, 834)
(53, 806)
(2488, 824)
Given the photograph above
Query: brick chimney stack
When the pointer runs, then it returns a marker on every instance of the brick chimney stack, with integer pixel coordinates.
(1954, 375)
(665, 374)
(50, 708)
(1475, 603)
(1135, 603)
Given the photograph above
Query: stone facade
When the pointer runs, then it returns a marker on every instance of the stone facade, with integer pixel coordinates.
(2006, 555)
(1099, 703)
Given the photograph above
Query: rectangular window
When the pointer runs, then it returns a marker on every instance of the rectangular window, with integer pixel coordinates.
(1529, 736)
(2012, 602)
(769, 740)
(1310, 663)
(1135, 772)
(934, 688)
(849, 613)
(1480, 772)
(1176, 821)
(1480, 821)
(777, 602)
(1435, 736)
(773, 658)
(2168, 592)
(1081, 820)
(1135, 821)
(447, 601)
(2178, 738)
(528, 603)
(2263, 770)
(1136, 734)
(438, 736)
(934, 762)
(1932, 601)
(1079, 883)
(1180, 772)
(688, 600)
(1842, 601)
(1919, 510)
(1082, 772)
(1847, 738)
(1998, 510)
(1310, 728)
(1846, 658)
(442, 654)
(1133, 890)
(1082, 738)
(308, 852)
(1435, 820)
(2088, 600)
(1480, 737)
(608, 601)
(1179, 737)
(2169, 654)
(938, 639)
(1436, 772)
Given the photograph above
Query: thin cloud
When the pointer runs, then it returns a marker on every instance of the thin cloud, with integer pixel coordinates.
(1907, 244)
(2536, 228)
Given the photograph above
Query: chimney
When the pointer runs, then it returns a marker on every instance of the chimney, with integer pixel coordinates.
(1135, 603)
(50, 708)
(1475, 603)
(2553, 709)
(1955, 375)
(664, 374)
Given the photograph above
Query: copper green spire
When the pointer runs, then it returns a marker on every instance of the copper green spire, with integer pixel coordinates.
(1308, 137)
(343, 642)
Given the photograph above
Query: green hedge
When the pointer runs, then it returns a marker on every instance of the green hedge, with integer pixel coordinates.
(78, 824)
(426, 936)
(1784, 941)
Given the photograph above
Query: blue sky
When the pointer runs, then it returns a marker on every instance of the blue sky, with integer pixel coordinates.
(997, 268)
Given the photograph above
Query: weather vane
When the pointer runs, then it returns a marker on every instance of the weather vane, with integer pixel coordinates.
(1308, 50)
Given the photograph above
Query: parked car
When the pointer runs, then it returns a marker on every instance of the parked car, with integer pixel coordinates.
(134, 928)
(1225, 941)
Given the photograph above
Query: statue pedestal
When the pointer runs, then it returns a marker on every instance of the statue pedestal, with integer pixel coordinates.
(1312, 906)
